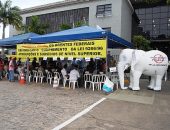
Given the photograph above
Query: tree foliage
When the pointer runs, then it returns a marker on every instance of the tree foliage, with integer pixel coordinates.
(10, 16)
(155, 1)
(168, 2)
(141, 43)
(77, 24)
(36, 26)
(65, 27)
(80, 23)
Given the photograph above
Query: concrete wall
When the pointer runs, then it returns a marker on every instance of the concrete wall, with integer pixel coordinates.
(119, 21)
(126, 20)
(113, 21)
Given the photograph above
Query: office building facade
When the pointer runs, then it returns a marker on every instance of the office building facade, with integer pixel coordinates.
(112, 15)
(154, 23)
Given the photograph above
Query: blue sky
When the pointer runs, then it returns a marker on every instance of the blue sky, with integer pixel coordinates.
(26, 4)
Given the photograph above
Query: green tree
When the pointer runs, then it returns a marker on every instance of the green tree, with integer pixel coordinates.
(65, 27)
(155, 1)
(79, 24)
(9, 16)
(35, 26)
(152, 1)
(141, 43)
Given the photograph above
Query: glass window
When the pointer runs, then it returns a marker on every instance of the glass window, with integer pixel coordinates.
(169, 13)
(142, 22)
(141, 16)
(169, 33)
(164, 9)
(164, 15)
(162, 21)
(155, 32)
(157, 15)
(148, 27)
(104, 10)
(163, 31)
(156, 21)
(156, 28)
(148, 21)
(148, 16)
(141, 11)
(163, 26)
(137, 11)
(148, 10)
(156, 9)
(168, 19)
(169, 26)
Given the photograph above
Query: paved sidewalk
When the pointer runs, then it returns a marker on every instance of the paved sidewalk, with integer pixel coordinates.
(40, 107)
(129, 110)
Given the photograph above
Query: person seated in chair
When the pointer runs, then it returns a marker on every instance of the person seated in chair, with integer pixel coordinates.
(64, 72)
(74, 74)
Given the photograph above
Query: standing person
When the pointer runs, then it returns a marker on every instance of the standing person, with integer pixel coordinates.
(34, 63)
(15, 65)
(19, 62)
(91, 66)
(11, 70)
(1, 68)
(109, 59)
(27, 66)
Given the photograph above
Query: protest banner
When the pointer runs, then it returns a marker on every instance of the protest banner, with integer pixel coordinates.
(75, 49)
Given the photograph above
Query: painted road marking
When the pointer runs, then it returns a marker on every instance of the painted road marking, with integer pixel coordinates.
(78, 115)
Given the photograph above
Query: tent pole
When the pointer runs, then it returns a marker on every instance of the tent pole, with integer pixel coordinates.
(106, 55)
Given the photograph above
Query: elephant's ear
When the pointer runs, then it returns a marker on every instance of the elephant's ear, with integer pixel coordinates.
(134, 60)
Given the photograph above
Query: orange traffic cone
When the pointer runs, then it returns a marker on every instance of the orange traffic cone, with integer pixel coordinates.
(22, 79)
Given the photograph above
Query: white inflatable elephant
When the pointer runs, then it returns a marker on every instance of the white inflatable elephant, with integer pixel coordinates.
(153, 63)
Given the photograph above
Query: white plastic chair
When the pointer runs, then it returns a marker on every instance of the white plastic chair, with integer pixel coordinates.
(73, 84)
(30, 77)
(96, 81)
(87, 79)
(56, 79)
(35, 76)
(115, 80)
(65, 79)
(102, 80)
(41, 76)
(49, 77)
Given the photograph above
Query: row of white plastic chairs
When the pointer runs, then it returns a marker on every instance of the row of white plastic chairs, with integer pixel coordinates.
(94, 80)
(97, 80)
(39, 76)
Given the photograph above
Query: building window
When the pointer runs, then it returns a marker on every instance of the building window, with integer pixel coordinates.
(108, 29)
(104, 10)
(155, 20)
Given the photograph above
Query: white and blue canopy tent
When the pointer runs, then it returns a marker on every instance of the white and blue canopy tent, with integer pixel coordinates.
(18, 39)
(82, 33)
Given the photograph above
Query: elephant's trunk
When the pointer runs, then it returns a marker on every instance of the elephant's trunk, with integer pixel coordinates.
(121, 75)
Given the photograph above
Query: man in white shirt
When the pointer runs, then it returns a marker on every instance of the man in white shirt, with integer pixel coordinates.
(64, 72)
(74, 74)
